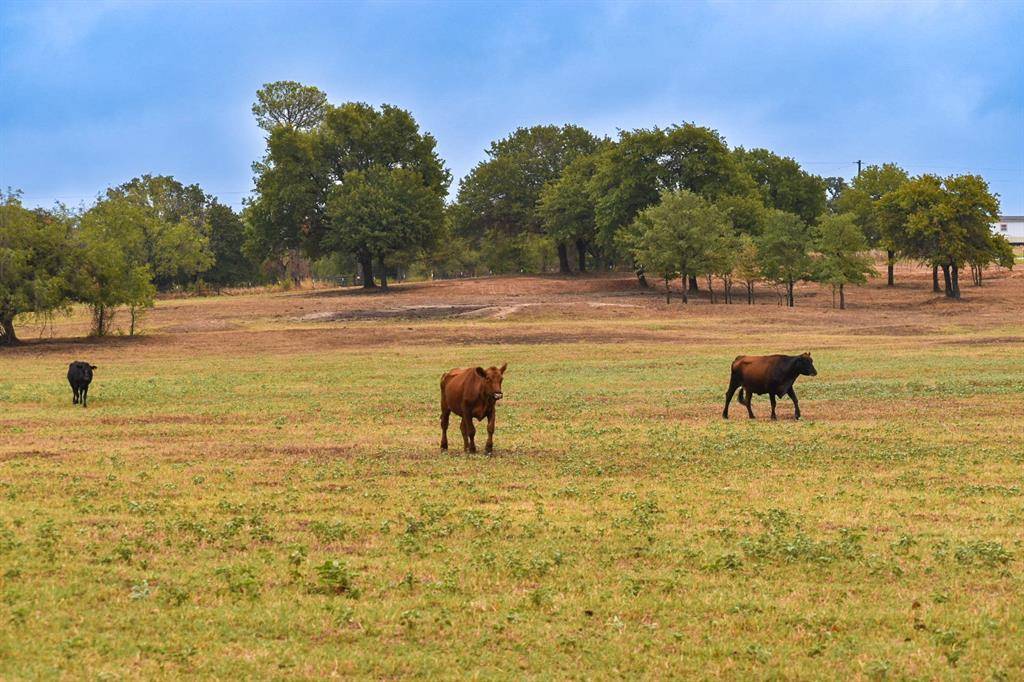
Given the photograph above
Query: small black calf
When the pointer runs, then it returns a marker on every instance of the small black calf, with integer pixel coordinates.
(80, 376)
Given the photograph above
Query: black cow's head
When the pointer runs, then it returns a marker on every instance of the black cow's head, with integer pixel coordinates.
(805, 365)
(492, 380)
(83, 371)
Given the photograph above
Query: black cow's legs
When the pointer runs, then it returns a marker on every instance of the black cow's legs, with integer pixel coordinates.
(85, 396)
(796, 405)
(74, 395)
(771, 396)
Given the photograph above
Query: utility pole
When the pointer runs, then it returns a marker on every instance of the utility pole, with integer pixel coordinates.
(858, 167)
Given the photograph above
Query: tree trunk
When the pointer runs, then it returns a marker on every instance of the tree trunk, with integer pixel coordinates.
(383, 273)
(131, 326)
(935, 279)
(581, 254)
(946, 281)
(686, 293)
(842, 298)
(640, 278)
(366, 265)
(694, 287)
(750, 293)
(7, 335)
(563, 259)
(99, 318)
(956, 280)
(711, 289)
(668, 290)
(789, 293)
(892, 261)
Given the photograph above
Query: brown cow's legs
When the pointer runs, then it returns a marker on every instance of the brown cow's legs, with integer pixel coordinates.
(733, 385)
(771, 396)
(465, 434)
(445, 416)
(471, 432)
(796, 404)
(749, 397)
(490, 433)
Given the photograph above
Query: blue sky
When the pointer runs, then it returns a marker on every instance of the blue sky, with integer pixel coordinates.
(92, 94)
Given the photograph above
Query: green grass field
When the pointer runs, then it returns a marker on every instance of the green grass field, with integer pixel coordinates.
(236, 511)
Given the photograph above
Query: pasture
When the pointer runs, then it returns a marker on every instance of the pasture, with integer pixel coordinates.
(256, 489)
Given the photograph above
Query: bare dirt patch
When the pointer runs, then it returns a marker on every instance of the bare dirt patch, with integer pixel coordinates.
(302, 321)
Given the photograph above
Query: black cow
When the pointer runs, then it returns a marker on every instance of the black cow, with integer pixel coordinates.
(80, 376)
(771, 374)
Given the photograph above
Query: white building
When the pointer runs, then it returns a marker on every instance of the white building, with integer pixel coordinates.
(1011, 227)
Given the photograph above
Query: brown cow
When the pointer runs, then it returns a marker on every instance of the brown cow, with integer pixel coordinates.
(471, 393)
(771, 374)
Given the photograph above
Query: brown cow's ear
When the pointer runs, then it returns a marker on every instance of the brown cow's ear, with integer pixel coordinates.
(481, 372)
(502, 368)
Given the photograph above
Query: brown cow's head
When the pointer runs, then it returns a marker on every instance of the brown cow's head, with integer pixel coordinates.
(492, 380)
(806, 365)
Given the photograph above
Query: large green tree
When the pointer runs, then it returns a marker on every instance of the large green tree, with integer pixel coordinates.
(208, 234)
(945, 223)
(567, 206)
(231, 264)
(632, 173)
(111, 267)
(501, 195)
(306, 170)
(33, 253)
(972, 208)
(861, 198)
(842, 254)
(783, 248)
(783, 184)
(683, 233)
(383, 212)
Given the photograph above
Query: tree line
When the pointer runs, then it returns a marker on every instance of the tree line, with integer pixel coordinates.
(149, 233)
(364, 188)
(358, 189)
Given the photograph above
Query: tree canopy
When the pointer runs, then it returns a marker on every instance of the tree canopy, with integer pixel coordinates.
(329, 188)
(111, 269)
(290, 105)
(842, 253)
(501, 196)
(945, 222)
(682, 234)
(783, 184)
(32, 263)
(783, 247)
